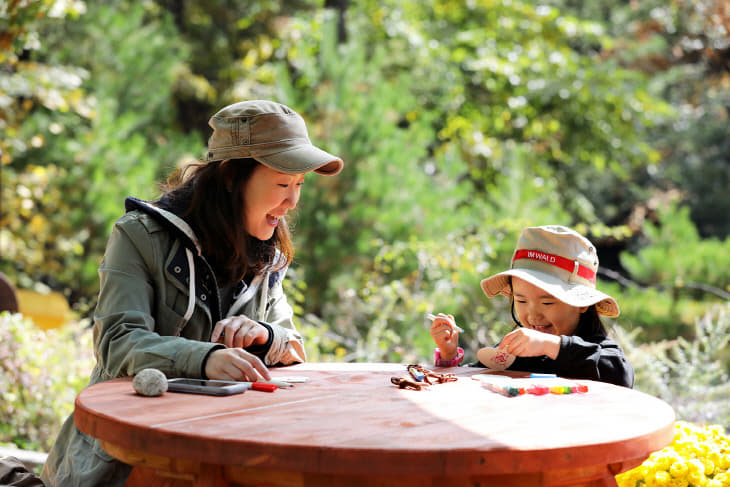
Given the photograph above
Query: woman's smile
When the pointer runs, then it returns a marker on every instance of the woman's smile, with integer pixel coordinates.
(273, 220)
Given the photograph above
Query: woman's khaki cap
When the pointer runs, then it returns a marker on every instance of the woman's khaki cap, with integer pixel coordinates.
(559, 261)
(271, 133)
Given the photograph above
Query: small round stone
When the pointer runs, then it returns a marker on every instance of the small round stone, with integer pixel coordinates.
(150, 382)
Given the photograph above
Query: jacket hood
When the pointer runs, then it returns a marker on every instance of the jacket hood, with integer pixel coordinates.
(168, 219)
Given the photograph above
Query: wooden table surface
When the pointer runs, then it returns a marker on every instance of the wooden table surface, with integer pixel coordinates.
(349, 426)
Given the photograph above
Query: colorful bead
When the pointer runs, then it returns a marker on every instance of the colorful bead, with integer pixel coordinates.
(538, 390)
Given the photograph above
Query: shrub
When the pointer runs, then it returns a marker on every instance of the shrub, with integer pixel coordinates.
(690, 374)
(40, 374)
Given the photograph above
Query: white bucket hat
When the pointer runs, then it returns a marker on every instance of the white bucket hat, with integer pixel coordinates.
(559, 261)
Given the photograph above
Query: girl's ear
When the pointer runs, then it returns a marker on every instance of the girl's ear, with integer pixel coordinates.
(583, 309)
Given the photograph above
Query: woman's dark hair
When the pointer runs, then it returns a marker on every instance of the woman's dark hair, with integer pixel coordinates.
(210, 198)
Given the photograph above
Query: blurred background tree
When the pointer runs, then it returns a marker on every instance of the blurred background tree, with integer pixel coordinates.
(459, 122)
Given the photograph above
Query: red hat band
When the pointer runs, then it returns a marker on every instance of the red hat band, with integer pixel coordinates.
(558, 261)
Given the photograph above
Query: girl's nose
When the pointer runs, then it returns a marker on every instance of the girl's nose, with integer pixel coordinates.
(533, 314)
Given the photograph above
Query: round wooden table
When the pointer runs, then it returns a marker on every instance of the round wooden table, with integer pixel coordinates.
(350, 426)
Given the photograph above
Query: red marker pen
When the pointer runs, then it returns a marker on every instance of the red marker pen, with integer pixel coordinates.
(261, 386)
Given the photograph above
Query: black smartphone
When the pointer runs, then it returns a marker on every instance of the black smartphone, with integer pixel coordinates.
(210, 387)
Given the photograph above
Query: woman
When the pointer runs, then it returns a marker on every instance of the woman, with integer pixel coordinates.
(191, 284)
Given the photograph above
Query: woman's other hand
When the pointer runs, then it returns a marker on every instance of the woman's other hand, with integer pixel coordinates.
(235, 364)
(446, 336)
(240, 331)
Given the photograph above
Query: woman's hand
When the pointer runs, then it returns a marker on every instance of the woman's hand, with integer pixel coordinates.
(525, 342)
(240, 331)
(235, 364)
(444, 333)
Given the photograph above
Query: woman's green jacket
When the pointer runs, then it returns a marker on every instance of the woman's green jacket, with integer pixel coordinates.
(158, 304)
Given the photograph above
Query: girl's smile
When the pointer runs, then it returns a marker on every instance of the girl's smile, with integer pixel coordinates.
(541, 311)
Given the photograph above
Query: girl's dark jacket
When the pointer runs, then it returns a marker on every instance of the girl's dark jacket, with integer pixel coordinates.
(583, 355)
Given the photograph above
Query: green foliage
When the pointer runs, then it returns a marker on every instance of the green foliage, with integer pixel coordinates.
(675, 255)
(675, 276)
(690, 374)
(66, 188)
(514, 73)
(26, 84)
(42, 226)
(40, 374)
(387, 306)
(378, 112)
(682, 44)
(391, 187)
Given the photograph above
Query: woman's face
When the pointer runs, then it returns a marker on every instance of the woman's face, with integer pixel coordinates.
(538, 310)
(268, 196)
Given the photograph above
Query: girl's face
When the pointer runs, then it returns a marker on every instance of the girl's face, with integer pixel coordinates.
(268, 196)
(540, 311)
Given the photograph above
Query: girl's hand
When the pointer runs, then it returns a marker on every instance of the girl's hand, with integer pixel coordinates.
(240, 331)
(444, 333)
(525, 342)
(235, 364)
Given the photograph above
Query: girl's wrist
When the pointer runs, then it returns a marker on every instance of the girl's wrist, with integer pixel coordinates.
(443, 360)
(553, 347)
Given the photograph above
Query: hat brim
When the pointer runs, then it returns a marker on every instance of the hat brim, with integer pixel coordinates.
(301, 159)
(574, 294)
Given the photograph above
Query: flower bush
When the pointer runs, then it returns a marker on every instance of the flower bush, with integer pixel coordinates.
(699, 456)
(40, 374)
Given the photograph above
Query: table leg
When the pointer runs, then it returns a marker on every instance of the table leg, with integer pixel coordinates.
(158, 471)
(209, 476)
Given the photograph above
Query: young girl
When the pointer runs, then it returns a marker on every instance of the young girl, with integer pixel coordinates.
(555, 303)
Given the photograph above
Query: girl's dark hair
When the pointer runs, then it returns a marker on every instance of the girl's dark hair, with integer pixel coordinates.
(210, 198)
(589, 320)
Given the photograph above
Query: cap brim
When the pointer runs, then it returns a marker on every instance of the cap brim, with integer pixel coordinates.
(574, 294)
(301, 159)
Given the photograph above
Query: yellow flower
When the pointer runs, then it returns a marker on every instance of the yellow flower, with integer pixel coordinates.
(714, 456)
(699, 456)
(697, 478)
(628, 479)
(662, 461)
(696, 466)
(709, 466)
(662, 477)
(679, 470)
(677, 483)
(724, 478)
